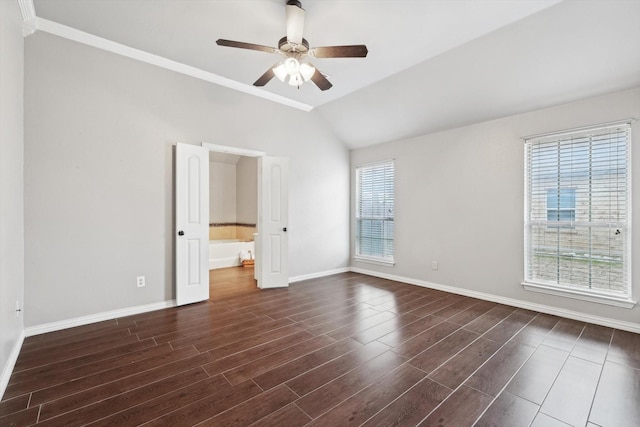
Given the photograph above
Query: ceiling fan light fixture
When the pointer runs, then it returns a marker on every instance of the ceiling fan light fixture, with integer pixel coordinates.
(292, 66)
(280, 71)
(296, 80)
(307, 70)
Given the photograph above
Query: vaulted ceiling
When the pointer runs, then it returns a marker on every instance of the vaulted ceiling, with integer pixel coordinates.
(432, 65)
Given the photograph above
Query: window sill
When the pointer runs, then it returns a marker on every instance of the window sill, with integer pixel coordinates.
(580, 295)
(377, 261)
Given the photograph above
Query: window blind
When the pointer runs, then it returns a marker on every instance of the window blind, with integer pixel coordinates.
(375, 211)
(577, 228)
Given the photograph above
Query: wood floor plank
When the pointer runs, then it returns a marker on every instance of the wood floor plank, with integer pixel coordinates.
(104, 357)
(48, 393)
(384, 328)
(34, 360)
(489, 319)
(361, 325)
(179, 405)
(625, 349)
(119, 402)
(406, 332)
(264, 364)
(305, 363)
(430, 359)
(15, 404)
(500, 368)
(24, 417)
(55, 378)
(509, 410)
(289, 416)
(510, 326)
(455, 371)
(461, 409)
(222, 364)
(593, 343)
(534, 380)
(537, 330)
(317, 377)
(253, 409)
(572, 393)
(564, 335)
(412, 407)
(326, 397)
(367, 402)
(346, 349)
(342, 327)
(471, 313)
(424, 340)
(610, 406)
(85, 397)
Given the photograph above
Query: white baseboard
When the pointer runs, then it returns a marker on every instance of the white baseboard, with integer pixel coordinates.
(11, 363)
(319, 274)
(575, 315)
(98, 317)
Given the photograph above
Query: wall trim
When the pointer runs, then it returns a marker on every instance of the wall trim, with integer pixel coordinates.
(98, 317)
(318, 274)
(570, 314)
(70, 33)
(7, 370)
(27, 9)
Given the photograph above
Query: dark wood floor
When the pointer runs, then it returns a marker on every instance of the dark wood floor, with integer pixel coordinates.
(338, 351)
(229, 282)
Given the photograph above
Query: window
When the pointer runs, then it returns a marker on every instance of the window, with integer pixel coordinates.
(577, 229)
(374, 211)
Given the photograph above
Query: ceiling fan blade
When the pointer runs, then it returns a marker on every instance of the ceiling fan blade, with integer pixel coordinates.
(295, 21)
(243, 45)
(352, 51)
(320, 80)
(265, 78)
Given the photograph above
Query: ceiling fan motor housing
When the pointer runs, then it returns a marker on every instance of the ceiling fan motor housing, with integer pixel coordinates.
(293, 48)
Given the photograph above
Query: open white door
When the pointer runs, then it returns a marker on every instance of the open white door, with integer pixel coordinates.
(192, 224)
(273, 215)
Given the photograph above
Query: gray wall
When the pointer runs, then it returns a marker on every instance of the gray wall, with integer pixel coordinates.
(99, 139)
(11, 182)
(247, 190)
(222, 192)
(459, 200)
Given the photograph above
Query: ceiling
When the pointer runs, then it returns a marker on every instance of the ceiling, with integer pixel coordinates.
(432, 64)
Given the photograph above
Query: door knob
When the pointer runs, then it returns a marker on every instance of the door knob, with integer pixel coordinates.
(284, 229)
(180, 233)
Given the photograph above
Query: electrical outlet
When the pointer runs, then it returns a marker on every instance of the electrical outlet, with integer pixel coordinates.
(434, 265)
(140, 281)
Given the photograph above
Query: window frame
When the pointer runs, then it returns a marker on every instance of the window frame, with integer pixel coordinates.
(357, 243)
(576, 290)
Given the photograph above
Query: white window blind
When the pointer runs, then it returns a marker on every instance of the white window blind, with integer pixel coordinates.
(577, 228)
(374, 211)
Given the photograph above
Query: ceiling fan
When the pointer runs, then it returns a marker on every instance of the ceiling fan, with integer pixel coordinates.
(294, 68)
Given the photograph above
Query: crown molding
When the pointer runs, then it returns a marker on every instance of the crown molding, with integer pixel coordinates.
(73, 34)
(27, 9)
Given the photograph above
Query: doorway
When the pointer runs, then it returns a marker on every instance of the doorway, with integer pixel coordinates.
(192, 226)
(233, 217)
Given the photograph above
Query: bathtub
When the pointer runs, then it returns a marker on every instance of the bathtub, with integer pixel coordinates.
(226, 253)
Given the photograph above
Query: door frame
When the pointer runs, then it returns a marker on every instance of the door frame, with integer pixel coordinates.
(248, 153)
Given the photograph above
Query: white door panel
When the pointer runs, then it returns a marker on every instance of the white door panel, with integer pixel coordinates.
(192, 224)
(273, 242)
